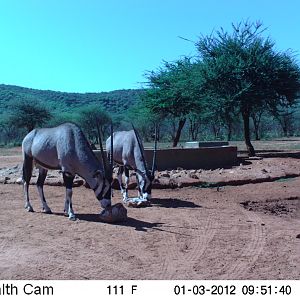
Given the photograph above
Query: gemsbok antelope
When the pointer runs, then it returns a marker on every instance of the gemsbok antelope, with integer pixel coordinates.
(128, 154)
(63, 148)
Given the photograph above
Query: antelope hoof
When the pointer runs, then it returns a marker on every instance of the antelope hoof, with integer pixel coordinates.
(48, 212)
(72, 218)
(29, 208)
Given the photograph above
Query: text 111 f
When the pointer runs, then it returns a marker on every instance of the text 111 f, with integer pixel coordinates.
(119, 289)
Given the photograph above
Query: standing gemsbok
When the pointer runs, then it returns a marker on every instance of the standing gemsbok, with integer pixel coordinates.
(128, 153)
(63, 148)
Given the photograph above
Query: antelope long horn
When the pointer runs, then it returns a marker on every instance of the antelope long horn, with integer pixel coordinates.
(111, 162)
(140, 146)
(101, 149)
(154, 152)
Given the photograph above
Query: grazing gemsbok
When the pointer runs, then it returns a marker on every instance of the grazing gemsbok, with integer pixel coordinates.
(128, 153)
(63, 148)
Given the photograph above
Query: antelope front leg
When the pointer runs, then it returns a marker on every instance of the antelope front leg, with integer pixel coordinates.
(70, 211)
(138, 187)
(68, 180)
(127, 179)
(122, 188)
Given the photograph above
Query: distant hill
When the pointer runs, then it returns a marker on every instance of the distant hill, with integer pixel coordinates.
(114, 101)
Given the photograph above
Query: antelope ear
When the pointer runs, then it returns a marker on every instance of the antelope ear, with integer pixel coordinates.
(97, 173)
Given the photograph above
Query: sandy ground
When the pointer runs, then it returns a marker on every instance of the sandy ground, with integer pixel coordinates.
(248, 231)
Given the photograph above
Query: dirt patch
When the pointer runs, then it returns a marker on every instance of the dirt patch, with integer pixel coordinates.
(288, 207)
(187, 233)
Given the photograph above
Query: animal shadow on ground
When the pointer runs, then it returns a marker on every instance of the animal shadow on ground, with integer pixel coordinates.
(173, 203)
(139, 225)
(145, 226)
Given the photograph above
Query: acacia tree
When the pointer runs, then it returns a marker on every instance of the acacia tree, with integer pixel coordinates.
(94, 121)
(172, 92)
(28, 114)
(220, 114)
(256, 116)
(244, 70)
(195, 122)
(8, 131)
(145, 120)
(285, 117)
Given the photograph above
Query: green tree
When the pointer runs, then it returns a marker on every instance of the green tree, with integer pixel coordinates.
(285, 117)
(256, 116)
(173, 92)
(28, 114)
(145, 120)
(59, 117)
(195, 122)
(244, 70)
(94, 121)
(8, 132)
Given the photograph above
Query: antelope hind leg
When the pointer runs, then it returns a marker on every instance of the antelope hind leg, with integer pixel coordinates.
(27, 173)
(40, 186)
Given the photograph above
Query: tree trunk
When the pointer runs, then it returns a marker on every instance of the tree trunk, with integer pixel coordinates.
(256, 123)
(29, 128)
(285, 126)
(214, 131)
(193, 132)
(257, 137)
(246, 119)
(194, 127)
(178, 132)
(285, 131)
(158, 133)
(229, 130)
(229, 133)
(256, 129)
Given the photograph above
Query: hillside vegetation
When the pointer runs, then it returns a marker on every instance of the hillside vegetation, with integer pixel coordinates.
(114, 102)
(22, 109)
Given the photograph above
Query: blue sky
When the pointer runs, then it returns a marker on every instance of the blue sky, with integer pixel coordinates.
(93, 46)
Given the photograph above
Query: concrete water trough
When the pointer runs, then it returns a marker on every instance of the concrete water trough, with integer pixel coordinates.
(191, 158)
(197, 144)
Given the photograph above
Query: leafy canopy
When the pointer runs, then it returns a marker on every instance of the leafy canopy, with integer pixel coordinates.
(244, 70)
(29, 115)
(173, 89)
